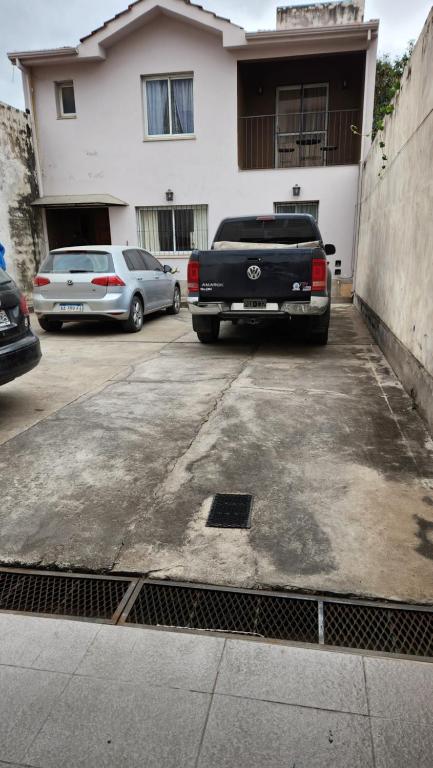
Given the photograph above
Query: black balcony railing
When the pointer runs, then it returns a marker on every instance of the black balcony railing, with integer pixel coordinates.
(301, 139)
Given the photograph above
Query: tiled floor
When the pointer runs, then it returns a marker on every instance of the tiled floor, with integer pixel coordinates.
(74, 695)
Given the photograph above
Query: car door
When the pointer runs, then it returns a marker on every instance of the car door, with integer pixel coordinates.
(164, 280)
(142, 279)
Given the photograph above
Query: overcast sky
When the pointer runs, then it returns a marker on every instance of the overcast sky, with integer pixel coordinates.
(33, 24)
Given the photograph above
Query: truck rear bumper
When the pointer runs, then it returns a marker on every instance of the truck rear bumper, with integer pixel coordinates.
(316, 306)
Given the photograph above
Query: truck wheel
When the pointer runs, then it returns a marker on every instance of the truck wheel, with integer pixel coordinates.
(321, 339)
(206, 328)
(320, 327)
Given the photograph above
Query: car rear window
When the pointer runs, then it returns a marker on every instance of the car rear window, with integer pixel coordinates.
(288, 230)
(78, 261)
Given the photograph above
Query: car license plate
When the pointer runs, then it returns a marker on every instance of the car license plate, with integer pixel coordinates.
(255, 303)
(4, 320)
(71, 307)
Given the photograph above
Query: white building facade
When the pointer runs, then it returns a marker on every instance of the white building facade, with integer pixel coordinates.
(168, 119)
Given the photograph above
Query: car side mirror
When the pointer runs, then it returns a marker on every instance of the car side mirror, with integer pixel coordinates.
(330, 249)
(167, 268)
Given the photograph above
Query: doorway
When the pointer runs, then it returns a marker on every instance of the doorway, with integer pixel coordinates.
(77, 226)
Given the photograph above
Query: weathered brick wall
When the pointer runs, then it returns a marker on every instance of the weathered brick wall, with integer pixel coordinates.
(20, 225)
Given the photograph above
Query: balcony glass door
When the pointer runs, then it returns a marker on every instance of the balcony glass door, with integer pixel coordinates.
(301, 125)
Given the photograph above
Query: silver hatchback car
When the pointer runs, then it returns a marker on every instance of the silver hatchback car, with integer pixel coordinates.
(100, 282)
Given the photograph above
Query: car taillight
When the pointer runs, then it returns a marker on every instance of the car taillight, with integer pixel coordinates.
(193, 277)
(38, 280)
(318, 275)
(108, 280)
(24, 306)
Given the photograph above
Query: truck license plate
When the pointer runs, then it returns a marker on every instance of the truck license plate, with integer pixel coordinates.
(71, 307)
(4, 320)
(255, 303)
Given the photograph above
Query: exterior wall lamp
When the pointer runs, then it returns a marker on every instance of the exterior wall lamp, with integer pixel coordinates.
(169, 195)
(296, 190)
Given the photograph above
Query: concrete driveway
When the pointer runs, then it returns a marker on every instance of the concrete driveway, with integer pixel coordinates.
(114, 446)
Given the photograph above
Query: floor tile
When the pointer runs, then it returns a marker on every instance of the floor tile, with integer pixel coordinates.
(27, 695)
(106, 724)
(399, 744)
(312, 678)
(174, 659)
(41, 643)
(400, 689)
(247, 733)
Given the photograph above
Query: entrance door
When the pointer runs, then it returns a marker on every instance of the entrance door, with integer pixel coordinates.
(301, 125)
(77, 226)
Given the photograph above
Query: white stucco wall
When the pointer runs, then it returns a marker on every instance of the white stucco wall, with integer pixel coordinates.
(20, 225)
(394, 273)
(103, 150)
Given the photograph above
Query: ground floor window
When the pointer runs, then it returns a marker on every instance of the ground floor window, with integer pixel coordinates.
(174, 229)
(310, 206)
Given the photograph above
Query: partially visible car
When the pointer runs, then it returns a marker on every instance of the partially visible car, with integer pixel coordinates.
(20, 349)
(103, 282)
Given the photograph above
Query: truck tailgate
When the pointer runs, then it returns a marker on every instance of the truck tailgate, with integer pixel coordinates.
(281, 275)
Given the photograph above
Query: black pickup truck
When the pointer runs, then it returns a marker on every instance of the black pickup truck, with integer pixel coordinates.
(262, 267)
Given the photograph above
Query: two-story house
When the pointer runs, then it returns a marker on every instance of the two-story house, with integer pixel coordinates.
(169, 118)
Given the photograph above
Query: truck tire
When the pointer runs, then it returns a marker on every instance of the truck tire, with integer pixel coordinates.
(206, 328)
(320, 328)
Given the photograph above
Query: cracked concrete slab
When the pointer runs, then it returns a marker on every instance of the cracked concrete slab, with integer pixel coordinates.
(325, 439)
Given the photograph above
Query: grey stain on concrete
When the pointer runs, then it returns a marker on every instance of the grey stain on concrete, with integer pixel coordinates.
(122, 477)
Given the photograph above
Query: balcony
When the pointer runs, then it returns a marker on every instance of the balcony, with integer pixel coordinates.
(299, 139)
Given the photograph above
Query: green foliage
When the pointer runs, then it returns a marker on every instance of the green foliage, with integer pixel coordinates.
(388, 77)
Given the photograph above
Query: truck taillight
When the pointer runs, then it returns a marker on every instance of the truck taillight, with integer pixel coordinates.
(108, 280)
(318, 275)
(193, 277)
(39, 281)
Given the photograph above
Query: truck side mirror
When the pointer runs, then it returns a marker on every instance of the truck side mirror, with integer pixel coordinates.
(330, 249)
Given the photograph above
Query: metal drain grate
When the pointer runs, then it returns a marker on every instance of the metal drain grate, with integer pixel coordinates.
(90, 597)
(393, 630)
(403, 630)
(230, 510)
(282, 618)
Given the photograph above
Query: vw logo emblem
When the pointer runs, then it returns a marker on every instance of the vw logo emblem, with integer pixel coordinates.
(69, 282)
(254, 272)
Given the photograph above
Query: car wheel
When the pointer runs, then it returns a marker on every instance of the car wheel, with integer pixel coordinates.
(50, 325)
(175, 307)
(134, 323)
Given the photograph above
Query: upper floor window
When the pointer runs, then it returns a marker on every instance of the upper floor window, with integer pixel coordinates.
(65, 97)
(169, 109)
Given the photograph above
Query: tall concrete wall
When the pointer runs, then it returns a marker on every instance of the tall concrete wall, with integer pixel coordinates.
(20, 224)
(394, 273)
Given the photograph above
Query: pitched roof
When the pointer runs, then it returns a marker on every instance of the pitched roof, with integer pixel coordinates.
(131, 5)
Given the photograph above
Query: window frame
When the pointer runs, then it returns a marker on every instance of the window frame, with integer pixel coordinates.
(61, 115)
(196, 208)
(166, 136)
(298, 203)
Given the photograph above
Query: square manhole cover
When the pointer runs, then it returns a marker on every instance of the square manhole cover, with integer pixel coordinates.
(230, 510)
